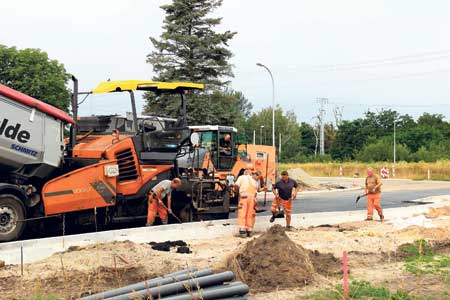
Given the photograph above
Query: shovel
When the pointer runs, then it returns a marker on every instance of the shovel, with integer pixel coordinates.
(172, 214)
(359, 197)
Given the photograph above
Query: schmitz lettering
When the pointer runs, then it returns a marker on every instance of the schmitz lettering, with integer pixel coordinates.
(23, 149)
(13, 132)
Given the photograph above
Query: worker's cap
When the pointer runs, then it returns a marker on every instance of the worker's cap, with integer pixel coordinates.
(284, 173)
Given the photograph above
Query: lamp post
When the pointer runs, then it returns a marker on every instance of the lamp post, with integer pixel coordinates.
(273, 101)
(395, 149)
(260, 134)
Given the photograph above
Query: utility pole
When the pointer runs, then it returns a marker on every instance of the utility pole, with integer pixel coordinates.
(338, 114)
(322, 102)
(279, 146)
(260, 134)
(254, 137)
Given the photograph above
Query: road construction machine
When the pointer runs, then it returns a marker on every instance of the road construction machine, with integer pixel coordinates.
(92, 178)
(223, 154)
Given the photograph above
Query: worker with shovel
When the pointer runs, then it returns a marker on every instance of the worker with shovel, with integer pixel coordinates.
(285, 191)
(247, 186)
(156, 205)
(373, 191)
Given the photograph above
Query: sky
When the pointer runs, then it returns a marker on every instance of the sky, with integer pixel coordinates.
(360, 55)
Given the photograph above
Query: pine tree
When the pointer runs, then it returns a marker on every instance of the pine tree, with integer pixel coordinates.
(189, 49)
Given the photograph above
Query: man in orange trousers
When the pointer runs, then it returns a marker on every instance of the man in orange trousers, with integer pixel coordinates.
(373, 191)
(285, 191)
(247, 186)
(156, 197)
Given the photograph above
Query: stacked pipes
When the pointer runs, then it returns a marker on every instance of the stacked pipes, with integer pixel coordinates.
(190, 284)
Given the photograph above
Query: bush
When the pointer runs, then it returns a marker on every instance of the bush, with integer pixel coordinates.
(383, 150)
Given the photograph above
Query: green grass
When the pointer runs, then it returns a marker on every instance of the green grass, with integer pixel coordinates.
(363, 290)
(422, 260)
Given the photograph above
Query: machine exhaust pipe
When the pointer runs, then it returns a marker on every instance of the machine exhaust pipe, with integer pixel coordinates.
(74, 129)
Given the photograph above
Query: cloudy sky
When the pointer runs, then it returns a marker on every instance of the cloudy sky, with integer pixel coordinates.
(361, 55)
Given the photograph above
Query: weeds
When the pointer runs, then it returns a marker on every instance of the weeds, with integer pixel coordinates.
(439, 170)
(422, 260)
(362, 290)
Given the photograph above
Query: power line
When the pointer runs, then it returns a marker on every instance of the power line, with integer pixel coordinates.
(411, 58)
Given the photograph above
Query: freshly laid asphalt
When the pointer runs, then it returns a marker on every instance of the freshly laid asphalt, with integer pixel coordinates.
(345, 201)
(396, 194)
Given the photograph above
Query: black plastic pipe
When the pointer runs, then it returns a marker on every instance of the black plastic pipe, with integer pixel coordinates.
(177, 287)
(213, 293)
(154, 282)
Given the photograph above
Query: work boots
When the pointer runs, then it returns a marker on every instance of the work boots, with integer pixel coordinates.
(242, 233)
(381, 218)
(272, 219)
(369, 218)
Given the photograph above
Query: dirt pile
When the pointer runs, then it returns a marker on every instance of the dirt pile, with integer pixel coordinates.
(436, 212)
(274, 260)
(305, 179)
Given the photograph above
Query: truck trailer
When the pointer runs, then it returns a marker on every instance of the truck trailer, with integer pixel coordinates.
(89, 179)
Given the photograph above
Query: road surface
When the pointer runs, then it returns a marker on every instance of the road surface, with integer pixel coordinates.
(396, 193)
(345, 201)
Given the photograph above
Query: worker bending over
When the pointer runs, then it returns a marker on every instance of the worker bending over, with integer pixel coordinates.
(373, 191)
(156, 197)
(247, 186)
(285, 192)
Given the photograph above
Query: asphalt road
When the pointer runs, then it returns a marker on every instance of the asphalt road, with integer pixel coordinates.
(396, 194)
(345, 201)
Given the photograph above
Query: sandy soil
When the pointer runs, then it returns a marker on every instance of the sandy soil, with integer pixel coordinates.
(389, 184)
(371, 247)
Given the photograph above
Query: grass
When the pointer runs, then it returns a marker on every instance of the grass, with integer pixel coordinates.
(363, 290)
(422, 260)
(417, 171)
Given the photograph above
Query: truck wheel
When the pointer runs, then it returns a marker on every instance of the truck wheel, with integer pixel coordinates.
(11, 212)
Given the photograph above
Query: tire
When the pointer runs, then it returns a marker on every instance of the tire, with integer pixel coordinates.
(11, 211)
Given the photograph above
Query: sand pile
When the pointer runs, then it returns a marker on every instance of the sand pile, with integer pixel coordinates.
(436, 212)
(305, 179)
(274, 260)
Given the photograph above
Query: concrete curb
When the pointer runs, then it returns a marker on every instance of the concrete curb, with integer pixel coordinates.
(38, 249)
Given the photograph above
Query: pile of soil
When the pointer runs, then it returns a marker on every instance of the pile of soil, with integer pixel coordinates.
(273, 261)
(436, 212)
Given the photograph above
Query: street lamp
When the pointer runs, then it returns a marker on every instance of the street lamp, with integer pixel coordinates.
(273, 101)
(260, 134)
(395, 149)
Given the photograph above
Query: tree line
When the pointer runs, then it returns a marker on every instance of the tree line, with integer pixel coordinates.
(191, 48)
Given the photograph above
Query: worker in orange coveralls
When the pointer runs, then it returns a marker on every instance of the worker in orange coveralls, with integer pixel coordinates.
(373, 191)
(157, 195)
(247, 186)
(285, 191)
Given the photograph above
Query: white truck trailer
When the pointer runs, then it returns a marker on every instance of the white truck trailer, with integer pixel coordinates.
(31, 149)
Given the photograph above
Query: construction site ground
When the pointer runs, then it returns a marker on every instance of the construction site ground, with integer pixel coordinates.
(373, 249)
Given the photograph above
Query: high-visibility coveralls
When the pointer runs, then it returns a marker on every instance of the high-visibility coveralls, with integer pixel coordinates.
(248, 187)
(155, 204)
(373, 190)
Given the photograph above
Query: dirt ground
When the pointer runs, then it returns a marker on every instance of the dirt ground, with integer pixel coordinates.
(371, 245)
